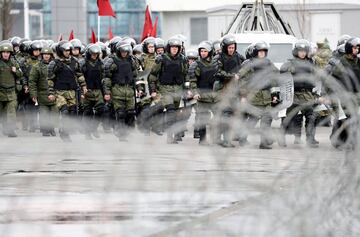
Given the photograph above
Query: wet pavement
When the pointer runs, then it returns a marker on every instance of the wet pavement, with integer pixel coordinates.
(145, 187)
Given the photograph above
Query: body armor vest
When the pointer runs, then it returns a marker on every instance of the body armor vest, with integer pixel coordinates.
(207, 76)
(65, 78)
(93, 75)
(124, 74)
(171, 71)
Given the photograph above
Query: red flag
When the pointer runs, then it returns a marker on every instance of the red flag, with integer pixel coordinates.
(105, 8)
(71, 36)
(93, 36)
(60, 37)
(154, 28)
(110, 33)
(147, 24)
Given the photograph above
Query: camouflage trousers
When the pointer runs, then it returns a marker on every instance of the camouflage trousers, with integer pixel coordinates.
(8, 114)
(65, 97)
(94, 106)
(66, 103)
(170, 95)
(123, 98)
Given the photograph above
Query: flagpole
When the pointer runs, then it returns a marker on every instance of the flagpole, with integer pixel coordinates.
(98, 28)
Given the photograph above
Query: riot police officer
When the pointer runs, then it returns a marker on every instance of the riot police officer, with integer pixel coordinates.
(38, 86)
(228, 63)
(259, 88)
(64, 77)
(119, 86)
(93, 70)
(30, 116)
(167, 78)
(202, 77)
(159, 46)
(303, 72)
(9, 73)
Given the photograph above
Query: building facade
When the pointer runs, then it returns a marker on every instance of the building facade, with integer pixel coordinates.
(52, 18)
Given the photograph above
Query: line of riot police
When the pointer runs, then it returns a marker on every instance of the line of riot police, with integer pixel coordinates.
(156, 85)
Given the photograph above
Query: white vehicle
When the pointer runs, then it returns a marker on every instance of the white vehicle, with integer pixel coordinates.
(281, 45)
(260, 21)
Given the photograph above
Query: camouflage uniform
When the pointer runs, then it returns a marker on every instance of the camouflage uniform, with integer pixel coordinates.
(321, 60)
(258, 81)
(119, 82)
(228, 66)
(167, 78)
(38, 86)
(146, 107)
(202, 77)
(64, 77)
(93, 102)
(25, 102)
(8, 101)
(302, 71)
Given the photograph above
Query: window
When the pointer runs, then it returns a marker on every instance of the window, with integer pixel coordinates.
(199, 30)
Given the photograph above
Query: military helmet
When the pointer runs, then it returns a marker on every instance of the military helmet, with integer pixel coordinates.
(103, 48)
(146, 43)
(192, 54)
(343, 39)
(35, 45)
(83, 49)
(15, 41)
(159, 43)
(249, 51)
(50, 42)
(260, 46)
(123, 46)
(138, 49)
(205, 45)
(227, 40)
(113, 42)
(341, 48)
(45, 43)
(130, 41)
(76, 43)
(174, 42)
(216, 45)
(24, 45)
(47, 50)
(352, 42)
(62, 46)
(6, 46)
(54, 46)
(92, 49)
(301, 45)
